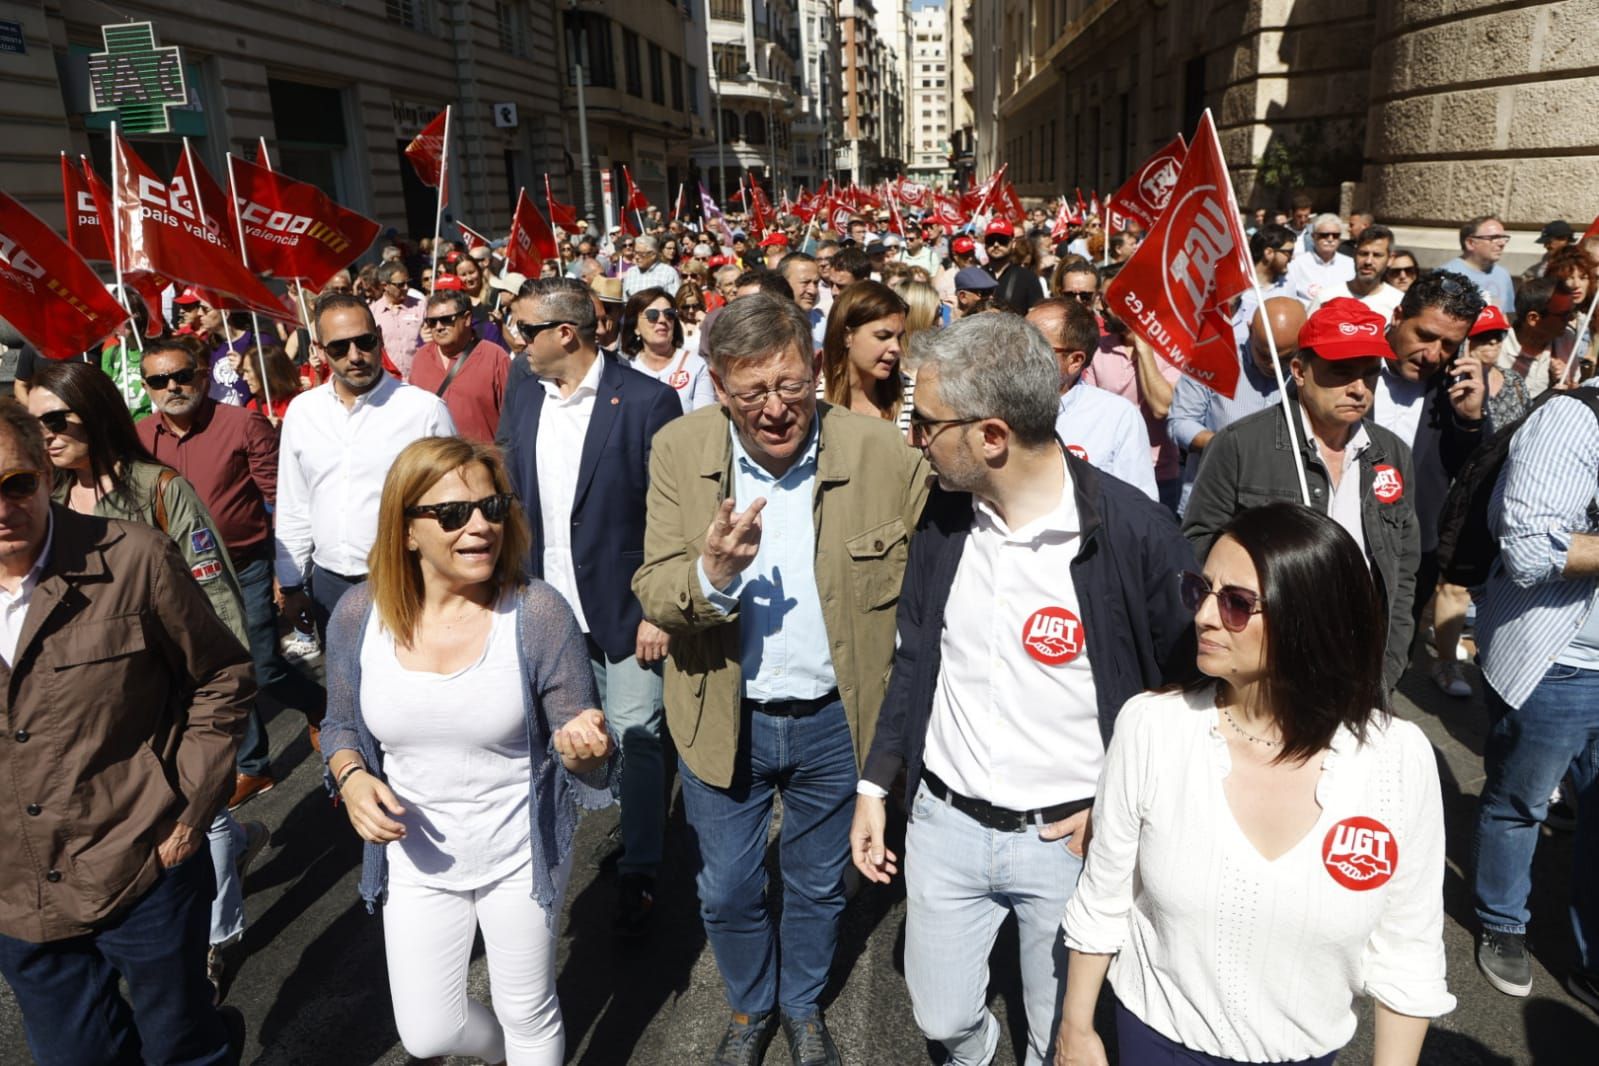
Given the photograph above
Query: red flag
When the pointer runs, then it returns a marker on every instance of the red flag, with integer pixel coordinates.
(839, 214)
(429, 153)
(912, 194)
(47, 291)
(1144, 195)
(563, 215)
(896, 224)
(164, 230)
(947, 212)
(531, 240)
(148, 285)
(84, 230)
(1591, 235)
(292, 229)
(1175, 290)
(1009, 205)
(1093, 203)
(1062, 227)
(472, 238)
(636, 200)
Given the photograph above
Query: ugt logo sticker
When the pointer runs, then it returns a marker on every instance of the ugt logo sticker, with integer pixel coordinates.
(1053, 636)
(1387, 486)
(1360, 853)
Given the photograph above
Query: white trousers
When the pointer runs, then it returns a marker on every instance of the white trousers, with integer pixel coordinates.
(428, 933)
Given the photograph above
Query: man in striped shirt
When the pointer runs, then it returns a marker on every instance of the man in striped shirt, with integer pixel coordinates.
(1538, 628)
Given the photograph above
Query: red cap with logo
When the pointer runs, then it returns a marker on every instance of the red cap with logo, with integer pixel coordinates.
(448, 283)
(191, 295)
(1491, 320)
(1345, 328)
(962, 246)
(999, 228)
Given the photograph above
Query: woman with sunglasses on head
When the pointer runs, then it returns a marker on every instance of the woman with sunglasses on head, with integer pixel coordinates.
(463, 735)
(652, 342)
(1269, 843)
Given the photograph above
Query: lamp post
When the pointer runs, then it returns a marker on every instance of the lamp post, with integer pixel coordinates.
(721, 156)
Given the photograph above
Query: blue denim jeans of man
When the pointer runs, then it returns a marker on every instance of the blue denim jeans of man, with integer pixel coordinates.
(274, 675)
(810, 762)
(961, 880)
(226, 841)
(630, 694)
(1529, 750)
(75, 1015)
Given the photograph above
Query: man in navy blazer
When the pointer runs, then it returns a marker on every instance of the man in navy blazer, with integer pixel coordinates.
(577, 442)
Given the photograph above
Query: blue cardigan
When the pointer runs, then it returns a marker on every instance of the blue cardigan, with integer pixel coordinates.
(560, 683)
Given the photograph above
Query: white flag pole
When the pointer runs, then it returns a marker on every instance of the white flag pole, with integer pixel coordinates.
(135, 331)
(1570, 373)
(444, 181)
(244, 257)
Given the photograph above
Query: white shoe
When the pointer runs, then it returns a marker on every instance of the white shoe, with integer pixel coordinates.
(301, 647)
(1447, 677)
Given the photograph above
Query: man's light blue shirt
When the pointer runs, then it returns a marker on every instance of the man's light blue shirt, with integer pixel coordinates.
(1495, 281)
(783, 642)
(1109, 433)
(1194, 409)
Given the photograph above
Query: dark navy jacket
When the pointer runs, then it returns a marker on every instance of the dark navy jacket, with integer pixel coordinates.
(612, 482)
(1125, 577)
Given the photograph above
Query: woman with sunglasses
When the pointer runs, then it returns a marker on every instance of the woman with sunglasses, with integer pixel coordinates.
(1402, 270)
(463, 736)
(1269, 843)
(690, 302)
(652, 342)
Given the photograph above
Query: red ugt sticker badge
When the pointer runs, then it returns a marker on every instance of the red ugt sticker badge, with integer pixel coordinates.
(1388, 486)
(1360, 853)
(1053, 636)
(1079, 451)
(678, 379)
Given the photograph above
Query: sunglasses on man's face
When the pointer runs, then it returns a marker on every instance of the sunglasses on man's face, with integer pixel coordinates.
(457, 513)
(440, 321)
(58, 421)
(530, 330)
(161, 381)
(19, 485)
(654, 314)
(367, 342)
(1234, 605)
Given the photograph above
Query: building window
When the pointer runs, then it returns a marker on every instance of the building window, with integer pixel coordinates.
(588, 41)
(657, 82)
(729, 60)
(730, 126)
(677, 84)
(630, 64)
(508, 21)
(412, 14)
(728, 9)
(755, 128)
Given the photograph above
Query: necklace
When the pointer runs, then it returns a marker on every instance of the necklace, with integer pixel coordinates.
(1248, 735)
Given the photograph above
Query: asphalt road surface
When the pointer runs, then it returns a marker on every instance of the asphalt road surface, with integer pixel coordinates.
(312, 988)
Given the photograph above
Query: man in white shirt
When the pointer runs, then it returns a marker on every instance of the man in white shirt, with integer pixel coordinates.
(1272, 249)
(339, 440)
(805, 281)
(1038, 597)
(1372, 250)
(1325, 266)
(1096, 426)
(648, 271)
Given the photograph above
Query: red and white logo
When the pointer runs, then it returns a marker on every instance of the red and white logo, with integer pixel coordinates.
(1079, 451)
(1388, 486)
(1360, 853)
(1053, 636)
(677, 379)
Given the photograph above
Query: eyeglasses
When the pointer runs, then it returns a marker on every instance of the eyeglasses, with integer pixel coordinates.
(367, 342)
(58, 421)
(996, 240)
(18, 485)
(1286, 250)
(399, 282)
(161, 381)
(457, 513)
(788, 393)
(439, 321)
(692, 307)
(1087, 296)
(1409, 271)
(1233, 604)
(530, 330)
(654, 314)
(1333, 236)
(1496, 238)
(920, 424)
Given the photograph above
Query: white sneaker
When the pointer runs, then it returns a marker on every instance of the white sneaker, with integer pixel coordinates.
(301, 647)
(1447, 677)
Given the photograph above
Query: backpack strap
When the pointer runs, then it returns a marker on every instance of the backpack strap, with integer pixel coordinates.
(159, 504)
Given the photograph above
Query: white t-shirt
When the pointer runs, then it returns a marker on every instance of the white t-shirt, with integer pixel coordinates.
(687, 373)
(455, 751)
(1232, 955)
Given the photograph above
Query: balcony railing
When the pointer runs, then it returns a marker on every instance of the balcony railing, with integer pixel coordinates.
(732, 10)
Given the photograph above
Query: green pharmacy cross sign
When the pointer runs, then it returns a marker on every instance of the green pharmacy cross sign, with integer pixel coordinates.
(135, 77)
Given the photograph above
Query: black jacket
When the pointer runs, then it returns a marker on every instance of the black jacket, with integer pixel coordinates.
(1443, 443)
(1125, 577)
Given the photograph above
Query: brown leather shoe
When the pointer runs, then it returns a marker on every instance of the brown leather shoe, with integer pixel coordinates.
(248, 786)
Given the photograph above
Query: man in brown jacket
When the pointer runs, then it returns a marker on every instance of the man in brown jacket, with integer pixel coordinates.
(776, 541)
(124, 697)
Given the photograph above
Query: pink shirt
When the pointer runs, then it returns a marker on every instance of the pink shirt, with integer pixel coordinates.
(1115, 369)
(401, 326)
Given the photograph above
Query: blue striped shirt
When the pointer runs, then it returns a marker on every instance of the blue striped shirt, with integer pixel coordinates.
(1529, 611)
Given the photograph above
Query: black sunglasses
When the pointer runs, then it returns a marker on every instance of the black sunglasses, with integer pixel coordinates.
(1087, 297)
(529, 330)
(1233, 604)
(17, 485)
(367, 342)
(654, 314)
(442, 320)
(56, 421)
(457, 513)
(1410, 271)
(161, 381)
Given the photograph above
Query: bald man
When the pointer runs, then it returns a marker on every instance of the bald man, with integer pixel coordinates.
(1198, 414)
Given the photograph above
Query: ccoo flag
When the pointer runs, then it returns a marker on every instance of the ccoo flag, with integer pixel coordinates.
(47, 291)
(84, 231)
(531, 241)
(292, 229)
(1175, 290)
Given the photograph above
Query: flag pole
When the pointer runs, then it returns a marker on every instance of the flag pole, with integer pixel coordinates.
(244, 257)
(444, 171)
(135, 330)
(1570, 373)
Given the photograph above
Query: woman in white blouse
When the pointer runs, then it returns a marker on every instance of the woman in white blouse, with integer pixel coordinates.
(1269, 844)
(652, 342)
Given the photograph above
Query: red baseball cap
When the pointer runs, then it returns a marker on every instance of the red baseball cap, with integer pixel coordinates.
(1345, 328)
(443, 282)
(999, 228)
(962, 246)
(191, 295)
(775, 240)
(1491, 320)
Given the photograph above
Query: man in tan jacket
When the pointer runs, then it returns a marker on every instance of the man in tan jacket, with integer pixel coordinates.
(125, 697)
(777, 536)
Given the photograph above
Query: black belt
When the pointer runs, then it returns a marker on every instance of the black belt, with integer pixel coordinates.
(348, 579)
(791, 708)
(1001, 818)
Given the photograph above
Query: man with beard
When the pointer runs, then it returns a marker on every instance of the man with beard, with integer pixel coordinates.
(1372, 250)
(338, 441)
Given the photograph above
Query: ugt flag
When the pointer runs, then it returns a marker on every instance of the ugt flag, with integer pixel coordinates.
(429, 153)
(291, 228)
(1175, 290)
(1146, 193)
(531, 241)
(47, 291)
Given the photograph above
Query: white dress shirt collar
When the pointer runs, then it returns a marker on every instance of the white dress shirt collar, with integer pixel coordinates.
(588, 386)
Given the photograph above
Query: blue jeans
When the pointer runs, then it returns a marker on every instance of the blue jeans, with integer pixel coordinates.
(961, 880)
(225, 841)
(1528, 751)
(72, 1010)
(811, 761)
(630, 694)
(273, 674)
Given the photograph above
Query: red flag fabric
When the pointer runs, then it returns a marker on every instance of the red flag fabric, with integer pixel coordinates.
(429, 154)
(531, 240)
(1062, 227)
(636, 200)
(1082, 207)
(563, 215)
(472, 238)
(947, 212)
(1144, 195)
(1008, 204)
(147, 284)
(839, 214)
(1591, 235)
(292, 229)
(1175, 290)
(164, 231)
(912, 194)
(47, 291)
(84, 231)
